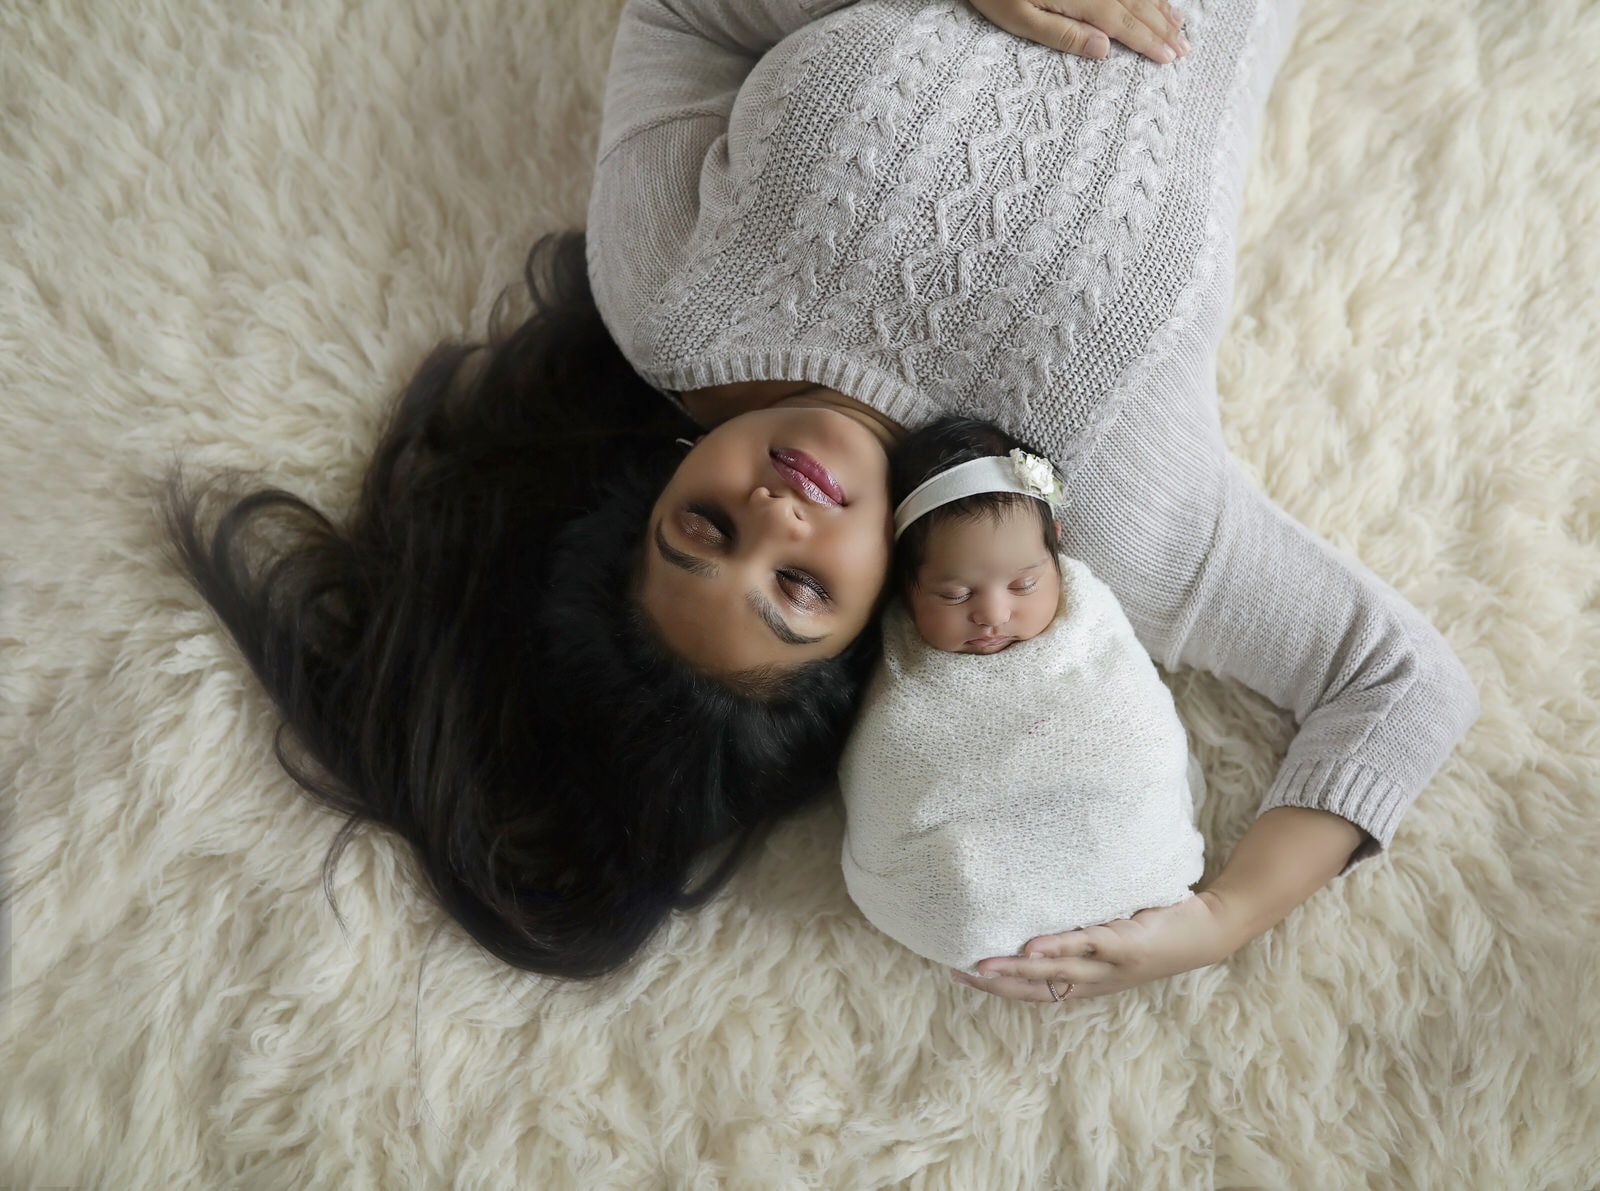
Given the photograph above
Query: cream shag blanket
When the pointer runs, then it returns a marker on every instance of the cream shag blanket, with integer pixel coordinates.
(228, 232)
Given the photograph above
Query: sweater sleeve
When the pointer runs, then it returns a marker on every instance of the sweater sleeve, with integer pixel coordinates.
(677, 68)
(1380, 697)
(1214, 575)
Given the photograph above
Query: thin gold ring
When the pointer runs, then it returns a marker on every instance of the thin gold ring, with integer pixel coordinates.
(1050, 984)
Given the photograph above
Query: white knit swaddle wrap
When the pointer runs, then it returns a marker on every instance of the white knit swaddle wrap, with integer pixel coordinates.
(992, 799)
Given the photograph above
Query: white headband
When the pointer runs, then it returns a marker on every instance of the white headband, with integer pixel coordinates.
(1019, 472)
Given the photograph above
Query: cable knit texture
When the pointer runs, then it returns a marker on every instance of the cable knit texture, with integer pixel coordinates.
(990, 800)
(900, 201)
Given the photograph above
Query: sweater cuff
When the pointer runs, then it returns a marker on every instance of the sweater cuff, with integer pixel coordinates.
(1363, 795)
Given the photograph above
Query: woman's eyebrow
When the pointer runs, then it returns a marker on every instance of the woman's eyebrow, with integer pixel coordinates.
(762, 606)
(684, 562)
(780, 627)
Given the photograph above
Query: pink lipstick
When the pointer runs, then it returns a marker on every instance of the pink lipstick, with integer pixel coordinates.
(806, 476)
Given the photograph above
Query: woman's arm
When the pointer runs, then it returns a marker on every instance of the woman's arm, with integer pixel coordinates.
(1243, 590)
(1286, 856)
(677, 60)
(1215, 576)
(1379, 695)
(676, 70)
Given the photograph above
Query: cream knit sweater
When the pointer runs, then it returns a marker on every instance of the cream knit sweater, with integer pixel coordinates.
(989, 800)
(902, 202)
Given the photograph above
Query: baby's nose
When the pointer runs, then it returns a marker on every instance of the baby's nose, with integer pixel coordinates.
(991, 611)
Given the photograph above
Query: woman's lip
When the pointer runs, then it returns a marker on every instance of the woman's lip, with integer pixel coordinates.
(806, 476)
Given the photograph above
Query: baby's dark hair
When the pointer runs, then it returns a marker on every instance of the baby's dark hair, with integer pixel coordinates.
(935, 448)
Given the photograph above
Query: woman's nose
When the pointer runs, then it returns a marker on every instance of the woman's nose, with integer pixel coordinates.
(780, 511)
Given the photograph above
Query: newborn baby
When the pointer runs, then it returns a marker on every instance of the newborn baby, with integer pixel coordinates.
(1018, 768)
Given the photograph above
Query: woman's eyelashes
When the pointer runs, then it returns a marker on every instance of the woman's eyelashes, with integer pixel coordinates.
(710, 525)
(803, 591)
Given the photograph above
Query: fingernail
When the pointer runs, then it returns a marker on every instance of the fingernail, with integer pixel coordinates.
(1183, 43)
(1173, 16)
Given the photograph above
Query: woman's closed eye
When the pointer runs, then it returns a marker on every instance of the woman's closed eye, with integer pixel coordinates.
(708, 525)
(803, 590)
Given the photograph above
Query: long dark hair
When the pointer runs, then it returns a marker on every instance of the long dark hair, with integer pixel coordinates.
(462, 660)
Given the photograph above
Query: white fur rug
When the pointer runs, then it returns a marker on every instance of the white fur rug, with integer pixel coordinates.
(228, 232)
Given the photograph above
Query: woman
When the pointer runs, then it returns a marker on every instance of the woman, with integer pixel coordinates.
(564, 668)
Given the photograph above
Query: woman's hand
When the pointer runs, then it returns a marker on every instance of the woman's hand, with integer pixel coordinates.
(1088, 27)
(1284, 857)
(1098, 960)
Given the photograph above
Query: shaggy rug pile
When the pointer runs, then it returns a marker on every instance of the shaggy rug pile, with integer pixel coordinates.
(227, 234)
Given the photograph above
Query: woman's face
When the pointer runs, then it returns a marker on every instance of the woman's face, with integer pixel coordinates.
(985, 585)
(771, 543)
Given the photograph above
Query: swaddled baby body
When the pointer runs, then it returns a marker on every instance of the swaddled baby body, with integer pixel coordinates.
(1018, 768)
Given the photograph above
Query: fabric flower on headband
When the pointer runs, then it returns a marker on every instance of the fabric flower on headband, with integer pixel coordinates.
(1037, 476)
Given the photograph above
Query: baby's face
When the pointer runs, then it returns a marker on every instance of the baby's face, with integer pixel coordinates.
(985, 586)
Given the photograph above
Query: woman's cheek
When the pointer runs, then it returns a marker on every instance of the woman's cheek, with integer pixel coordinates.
(862, 552)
